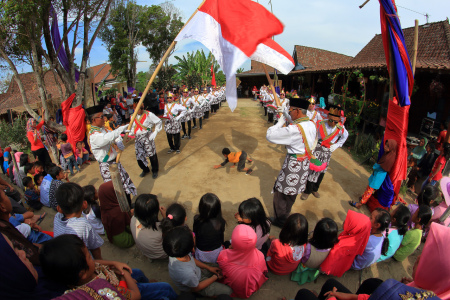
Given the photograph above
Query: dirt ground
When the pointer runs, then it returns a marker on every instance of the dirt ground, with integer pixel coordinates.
(185, 177)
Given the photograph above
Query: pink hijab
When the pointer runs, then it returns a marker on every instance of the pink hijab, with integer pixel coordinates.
(352, 242)
(433, 268)
(243, 267)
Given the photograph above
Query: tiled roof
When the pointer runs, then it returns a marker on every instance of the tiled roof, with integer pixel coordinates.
(12, 99)
(257, 68)
(316, 59)
(102, 72)
(433, 49)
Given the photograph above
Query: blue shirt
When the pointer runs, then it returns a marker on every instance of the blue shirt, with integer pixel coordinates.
(395, 241)
(377, 177)
(45, 190)
(371, 254)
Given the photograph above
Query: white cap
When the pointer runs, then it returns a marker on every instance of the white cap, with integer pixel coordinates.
(134, 95)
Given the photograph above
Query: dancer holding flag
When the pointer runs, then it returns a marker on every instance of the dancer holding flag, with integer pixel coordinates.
(145, 140)
(299, 139)
(173, 112)
(103, 144)
(332, 135)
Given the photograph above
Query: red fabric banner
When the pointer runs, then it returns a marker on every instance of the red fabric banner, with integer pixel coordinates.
(74, 118)
(213, 80)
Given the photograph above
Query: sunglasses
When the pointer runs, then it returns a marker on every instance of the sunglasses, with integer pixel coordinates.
(101, 117)
(292, 109)
(333, 121)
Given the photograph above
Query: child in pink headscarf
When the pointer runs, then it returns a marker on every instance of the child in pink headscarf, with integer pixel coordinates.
(243, 266)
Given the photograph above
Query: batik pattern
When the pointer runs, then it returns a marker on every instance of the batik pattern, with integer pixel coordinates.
(144, 147)
(324, 155)
(128, 185)
(293, 176)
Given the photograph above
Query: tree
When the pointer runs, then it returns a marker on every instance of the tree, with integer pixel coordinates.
(195, 68)
(127, 25)
(165, 79)
(5, 80)
(240, 70)
(142, 80)
(26, 36)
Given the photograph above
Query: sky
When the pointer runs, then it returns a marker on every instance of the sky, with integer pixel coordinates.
(334, 25)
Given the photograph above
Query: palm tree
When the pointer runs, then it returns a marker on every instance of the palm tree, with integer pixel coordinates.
(194, 69)
(240, 70)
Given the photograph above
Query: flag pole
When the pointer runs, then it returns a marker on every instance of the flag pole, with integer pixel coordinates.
(277, 101)
(158, 68)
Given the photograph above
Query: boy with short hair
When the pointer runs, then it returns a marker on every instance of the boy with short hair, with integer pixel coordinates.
(239, 158)
(38, 178)
(66, 260)
(189, 274)
(38, 167)
(70, 219)
(32, 197)
(29, 170)
(57, 174)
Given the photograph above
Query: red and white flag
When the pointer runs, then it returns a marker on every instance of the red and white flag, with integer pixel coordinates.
(234, 31)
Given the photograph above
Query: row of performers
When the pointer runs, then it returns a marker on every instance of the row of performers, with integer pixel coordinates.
(105, 144)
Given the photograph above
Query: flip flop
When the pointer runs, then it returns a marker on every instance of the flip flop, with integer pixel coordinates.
(352, 203)
(41, 218)
(250, 160)
(249, 171)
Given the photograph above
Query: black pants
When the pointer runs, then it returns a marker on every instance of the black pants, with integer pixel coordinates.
(183, 125)
(313, 186)
(214, 108)
(207, 114)
(174, 141)
(42, 155)
(367, 288)
(153, 162)
(1, 164)
(265, 110)
(270, 117)
(200, 121)
(282, 205)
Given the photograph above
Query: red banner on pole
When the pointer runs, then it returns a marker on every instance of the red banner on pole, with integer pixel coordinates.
(213, 80)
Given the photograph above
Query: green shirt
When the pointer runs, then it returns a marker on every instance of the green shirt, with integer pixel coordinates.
(410, 242)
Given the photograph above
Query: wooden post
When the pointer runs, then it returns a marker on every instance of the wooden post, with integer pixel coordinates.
(416, 45)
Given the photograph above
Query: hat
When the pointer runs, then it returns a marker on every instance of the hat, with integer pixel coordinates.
(205, 89)
(136, 100)
(312, 100)
(185, 90)
(169, 94)
(299, 103)
(282, 92)
(196, 90)
(94, 110)
(334, 110)
(445, 188)
(134, 95)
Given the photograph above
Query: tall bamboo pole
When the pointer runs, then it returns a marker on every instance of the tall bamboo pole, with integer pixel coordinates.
(277, 101)
(416, 45)
(155, 73)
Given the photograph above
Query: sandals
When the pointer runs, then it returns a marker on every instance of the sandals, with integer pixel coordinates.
(249, 171)
(352, 203)
(41, 218)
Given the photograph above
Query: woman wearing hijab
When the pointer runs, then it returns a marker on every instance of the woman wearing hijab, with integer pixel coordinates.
(432, 268)
(352, 242)
(5, 165)
(116, 222)
(34, 137)
(380, 171)
(419, 151)
(243, 266)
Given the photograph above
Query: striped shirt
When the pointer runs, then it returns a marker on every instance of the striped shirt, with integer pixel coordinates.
(78, 226)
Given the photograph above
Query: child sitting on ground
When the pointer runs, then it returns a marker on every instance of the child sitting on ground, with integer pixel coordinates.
(82, 154)
(285, 253)
(146, 227)
(29, 171)
(66, 260)
(243, 266)
(32, 197)
(69, 219)
(236, 158)
(188, 273)
(175, 216)
(66, 150)
(38, 178)
(413, 237)
(399, 226)
(426, 197)
(38, 167)
(92, 212)
(324, 238)
(377, 244)
(57, 175)
(251, 212)
(209, 228)
(26, 224)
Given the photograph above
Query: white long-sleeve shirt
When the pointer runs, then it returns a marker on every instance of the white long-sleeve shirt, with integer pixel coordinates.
(198, 100)
(314, 116)
(150, 121)
(175, 109)
(291, 136)
(102, 142)
(342, 136)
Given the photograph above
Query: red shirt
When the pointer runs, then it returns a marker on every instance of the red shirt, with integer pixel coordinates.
(36, 144)
(439, 166)
(440, 140)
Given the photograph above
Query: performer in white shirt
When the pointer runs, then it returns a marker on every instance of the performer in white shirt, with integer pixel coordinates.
(173, 112)
(207, 104)
(331, 134)
(299, 139)
(187, 102)
(214, 100)
(197, 111)
(270, 101)
(145, 140)
(284, 104)
(103, 147)
(313, 115)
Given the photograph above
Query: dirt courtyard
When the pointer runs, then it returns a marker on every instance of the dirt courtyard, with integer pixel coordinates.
(185, 177)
